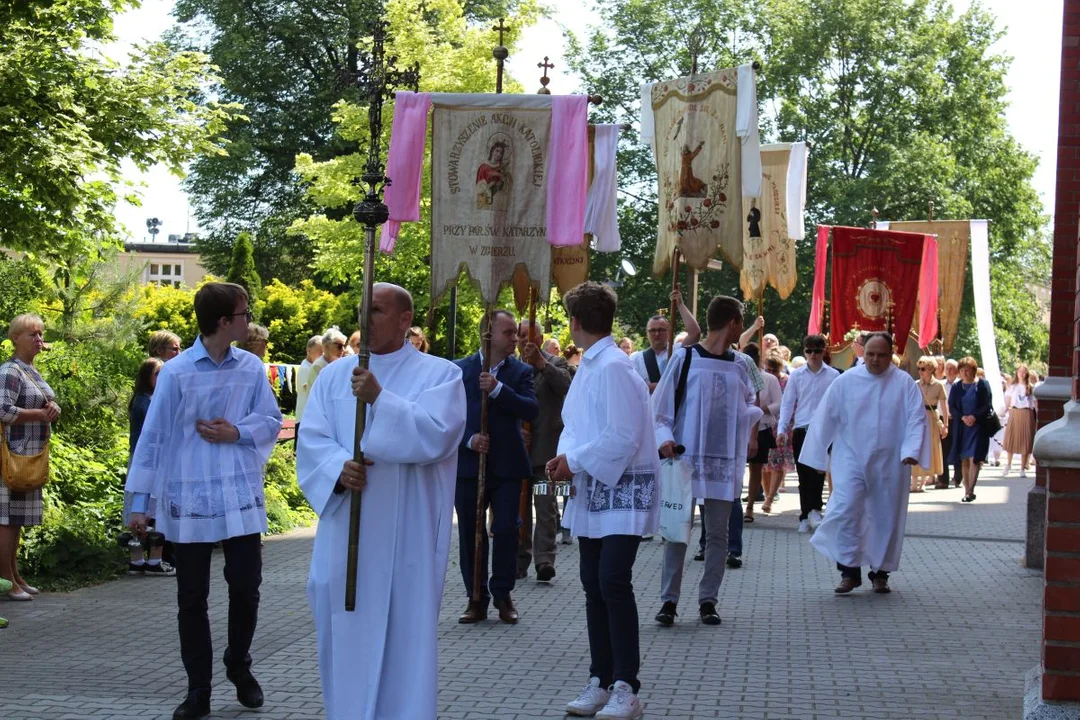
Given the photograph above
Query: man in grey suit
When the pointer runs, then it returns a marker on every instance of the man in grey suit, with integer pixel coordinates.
(551, 382)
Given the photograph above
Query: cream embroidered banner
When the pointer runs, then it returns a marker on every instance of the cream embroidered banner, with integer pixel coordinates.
(768, 245)
(489, 197)
(953, 239)
(702, 137)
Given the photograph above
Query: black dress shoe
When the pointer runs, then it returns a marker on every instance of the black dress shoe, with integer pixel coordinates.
(734, 561)
(545, 573)
(195, 706)
(699, 556)
(248, 692)
(708, 614)
(507, 612)
(666, 616)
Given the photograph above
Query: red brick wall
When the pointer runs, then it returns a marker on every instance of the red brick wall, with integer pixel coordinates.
(1061, 601)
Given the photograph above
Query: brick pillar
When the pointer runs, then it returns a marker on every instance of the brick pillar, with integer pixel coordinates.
(1057, 444)
(1058, 388)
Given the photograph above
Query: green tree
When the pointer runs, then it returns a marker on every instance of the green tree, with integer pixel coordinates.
(288, 64)
(242, 270)
(454, 56)
(901, 101)
(295, 314)
(69, 117)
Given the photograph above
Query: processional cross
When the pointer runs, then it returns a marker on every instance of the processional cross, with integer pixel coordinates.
(377, 79)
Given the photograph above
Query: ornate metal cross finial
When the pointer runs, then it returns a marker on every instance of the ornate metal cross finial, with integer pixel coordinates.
(500, 53)
(378, 78)
(546, 65)
(695, 44)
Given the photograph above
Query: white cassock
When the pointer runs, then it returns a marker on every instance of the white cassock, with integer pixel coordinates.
(872, 422)
(380, 661)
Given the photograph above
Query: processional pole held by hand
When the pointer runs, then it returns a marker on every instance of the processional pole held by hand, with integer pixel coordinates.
(526, 483)
(500, 53)
(377, 79)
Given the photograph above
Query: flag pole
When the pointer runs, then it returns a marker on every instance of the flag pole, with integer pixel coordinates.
(376, 81)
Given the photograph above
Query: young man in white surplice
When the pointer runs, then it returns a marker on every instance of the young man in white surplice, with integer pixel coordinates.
(715, 422)
(210, 429)
(609, 449)
(380, 661)
(873, 418)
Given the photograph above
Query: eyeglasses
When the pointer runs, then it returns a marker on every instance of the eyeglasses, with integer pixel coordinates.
(247, 313)
(813, 351)
(340, 345)
(174, 348)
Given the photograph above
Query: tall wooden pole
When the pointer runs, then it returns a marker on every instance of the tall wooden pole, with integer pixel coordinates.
(376, 81)
(526, 483)
(674, 307)
(500, 53)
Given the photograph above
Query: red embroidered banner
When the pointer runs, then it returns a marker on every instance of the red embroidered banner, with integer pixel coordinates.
(817, 300)
(874, 272)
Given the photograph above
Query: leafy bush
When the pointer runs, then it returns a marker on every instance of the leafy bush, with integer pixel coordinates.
(286, 506)
(293, 315)
(168, 308)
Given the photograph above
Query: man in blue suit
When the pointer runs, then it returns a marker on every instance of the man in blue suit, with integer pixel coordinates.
(511, 400)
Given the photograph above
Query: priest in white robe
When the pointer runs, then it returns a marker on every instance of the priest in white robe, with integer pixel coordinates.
(873, 418)
(380, 661)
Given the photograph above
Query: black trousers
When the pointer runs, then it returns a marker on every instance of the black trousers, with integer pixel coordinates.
(607, 566)
(811, 482)
(946, 448)
(503, 496)
(243, 573)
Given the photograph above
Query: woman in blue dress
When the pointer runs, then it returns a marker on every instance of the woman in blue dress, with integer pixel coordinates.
(969, 406)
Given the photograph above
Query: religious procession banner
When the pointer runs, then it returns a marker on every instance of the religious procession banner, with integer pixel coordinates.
(774, 222)
(707, 160)
(877, 275)
(953, 239)
(489, 197)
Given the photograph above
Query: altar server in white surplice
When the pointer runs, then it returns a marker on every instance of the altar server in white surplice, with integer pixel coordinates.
(709, 408)
(608, 449)
(873, 417)
(380, 661)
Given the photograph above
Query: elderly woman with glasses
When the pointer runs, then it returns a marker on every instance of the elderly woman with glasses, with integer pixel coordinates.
(969, 408)
(163, 345)
(936, 404)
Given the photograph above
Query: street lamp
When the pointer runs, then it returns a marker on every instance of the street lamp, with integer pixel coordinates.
(153, 226)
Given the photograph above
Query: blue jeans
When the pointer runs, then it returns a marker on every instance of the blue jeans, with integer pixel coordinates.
(503, 496)
(607, 566)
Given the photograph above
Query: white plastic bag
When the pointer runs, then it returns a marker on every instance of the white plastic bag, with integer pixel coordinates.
(676, 500)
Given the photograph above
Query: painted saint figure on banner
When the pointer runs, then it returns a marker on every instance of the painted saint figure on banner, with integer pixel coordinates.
(690, 186)
(494, 182)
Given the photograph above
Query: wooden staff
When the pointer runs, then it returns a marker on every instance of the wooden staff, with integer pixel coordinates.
(526, 484)
(761, 330)
(479, 566)
(674, 307)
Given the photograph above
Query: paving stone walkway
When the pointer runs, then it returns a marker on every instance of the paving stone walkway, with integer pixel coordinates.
(953, 640)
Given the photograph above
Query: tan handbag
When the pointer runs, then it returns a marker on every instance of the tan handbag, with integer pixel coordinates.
(23, 473)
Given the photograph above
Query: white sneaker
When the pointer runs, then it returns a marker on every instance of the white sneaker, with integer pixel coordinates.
(591, 699)
(623, 704)
(804, 526)
(815, 519)
(1023, 474)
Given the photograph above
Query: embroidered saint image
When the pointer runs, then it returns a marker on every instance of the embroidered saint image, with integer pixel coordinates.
(690, 186)
(494, 183)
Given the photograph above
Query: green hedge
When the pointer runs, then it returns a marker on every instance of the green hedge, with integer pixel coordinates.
(76, 543)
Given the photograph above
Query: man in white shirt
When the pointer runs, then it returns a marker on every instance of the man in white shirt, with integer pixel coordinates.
(873, 419)
(381, 660)
(207, 437)
(710, 410)
(651, 362)
(805, 388)
(858, 346)
(303, 379)
(609, 449)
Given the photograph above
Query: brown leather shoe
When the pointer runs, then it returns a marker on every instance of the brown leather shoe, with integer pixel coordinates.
(881, 585)
(507, 612)
(847, 585)
(474, 613)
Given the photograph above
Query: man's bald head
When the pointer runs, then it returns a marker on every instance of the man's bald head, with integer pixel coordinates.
(400, 295)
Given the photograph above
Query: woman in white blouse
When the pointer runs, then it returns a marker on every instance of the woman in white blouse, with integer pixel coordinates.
(1020, 430)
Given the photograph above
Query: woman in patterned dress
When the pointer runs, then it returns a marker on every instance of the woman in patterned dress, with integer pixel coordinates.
(781, 457)
(27, 410)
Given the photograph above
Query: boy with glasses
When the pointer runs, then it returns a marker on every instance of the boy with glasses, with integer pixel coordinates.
(805, 388)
